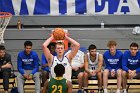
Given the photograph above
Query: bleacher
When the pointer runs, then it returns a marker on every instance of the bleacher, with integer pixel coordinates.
(97, 36)
(82, 18)
(92, 81)
(112, 84)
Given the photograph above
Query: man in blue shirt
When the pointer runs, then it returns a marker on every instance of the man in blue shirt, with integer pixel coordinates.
(28, 67)
(131, 64)
(113, 60)
(44, 62)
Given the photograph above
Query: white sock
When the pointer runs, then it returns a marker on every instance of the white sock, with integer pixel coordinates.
(105, 90)
(118, 91)
(85, 87)
(124, 89)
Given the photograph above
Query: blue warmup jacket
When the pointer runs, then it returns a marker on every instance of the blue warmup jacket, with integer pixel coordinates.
(113, 62)
(43, 62)
(131, 62)
(28, 62)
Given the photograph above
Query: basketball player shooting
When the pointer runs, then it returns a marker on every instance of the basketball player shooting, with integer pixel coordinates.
(60, 58)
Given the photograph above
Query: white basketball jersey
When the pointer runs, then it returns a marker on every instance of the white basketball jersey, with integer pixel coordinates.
(93, 65)
(65, 63)
(78, 59)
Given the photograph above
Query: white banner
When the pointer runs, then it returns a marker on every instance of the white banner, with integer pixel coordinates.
(71, 7)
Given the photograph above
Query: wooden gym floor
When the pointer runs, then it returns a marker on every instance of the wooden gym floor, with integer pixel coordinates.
(30, 88)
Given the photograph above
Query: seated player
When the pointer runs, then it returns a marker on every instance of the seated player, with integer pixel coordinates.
(113, 61)
(28, 67)
(93, 66)
(130, 64)
(78, 67)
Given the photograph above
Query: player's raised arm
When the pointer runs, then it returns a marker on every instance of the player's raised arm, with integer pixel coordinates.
(46, 51)
(75, 47)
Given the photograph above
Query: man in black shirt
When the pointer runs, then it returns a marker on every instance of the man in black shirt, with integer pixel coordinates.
(5, 67)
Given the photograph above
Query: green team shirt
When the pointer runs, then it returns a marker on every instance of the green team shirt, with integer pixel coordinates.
(57, 85)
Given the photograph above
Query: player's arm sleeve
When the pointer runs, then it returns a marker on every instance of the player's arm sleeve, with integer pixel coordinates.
(138, 70)
(119, 63)
(107, 66)
(8, 59)
(19, 64)
(36, 64)
(124, 62)
(44, 61)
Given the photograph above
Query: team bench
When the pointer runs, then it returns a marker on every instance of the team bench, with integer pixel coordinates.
(92, 82)
(112, 82)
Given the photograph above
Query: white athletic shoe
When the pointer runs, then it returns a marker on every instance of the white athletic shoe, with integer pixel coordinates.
(118, 91)
(105, 90)
(124, 91)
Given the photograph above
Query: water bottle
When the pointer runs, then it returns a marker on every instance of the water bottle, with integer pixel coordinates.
(102, 24)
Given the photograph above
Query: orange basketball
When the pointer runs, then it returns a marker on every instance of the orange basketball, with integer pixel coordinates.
(58, 34)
